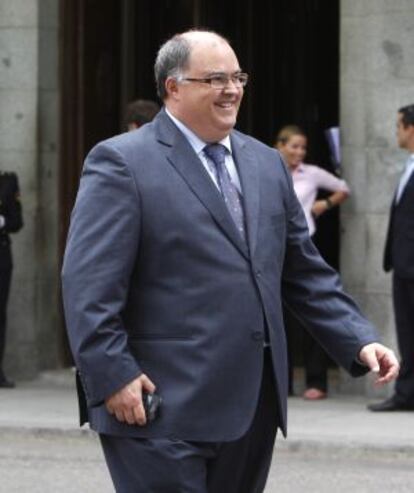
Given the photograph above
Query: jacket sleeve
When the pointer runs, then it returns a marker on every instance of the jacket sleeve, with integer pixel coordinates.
(100, 255)
(12, 207)
(313, 292)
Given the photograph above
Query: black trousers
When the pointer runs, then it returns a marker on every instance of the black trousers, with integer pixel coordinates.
(176, 466)
(5, 279)
(403, 297)
(314, 356)
(316, 363)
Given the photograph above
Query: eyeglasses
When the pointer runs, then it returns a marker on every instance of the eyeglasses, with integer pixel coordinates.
(221, 81)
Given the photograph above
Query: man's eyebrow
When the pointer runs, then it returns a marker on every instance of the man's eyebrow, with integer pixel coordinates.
(213, 74)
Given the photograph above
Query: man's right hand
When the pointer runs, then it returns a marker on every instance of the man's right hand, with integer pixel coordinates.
(126, 404)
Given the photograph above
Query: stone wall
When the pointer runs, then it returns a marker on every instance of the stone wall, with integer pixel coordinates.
(377, 78)
(28, 146)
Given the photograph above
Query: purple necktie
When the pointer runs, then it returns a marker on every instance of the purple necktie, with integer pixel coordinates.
(217, 154)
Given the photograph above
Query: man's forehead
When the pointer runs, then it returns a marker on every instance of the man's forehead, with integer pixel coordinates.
(214, 56)
(206, 45)
(203, 37)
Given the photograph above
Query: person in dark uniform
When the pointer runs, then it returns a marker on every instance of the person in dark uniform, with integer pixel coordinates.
(10, 222)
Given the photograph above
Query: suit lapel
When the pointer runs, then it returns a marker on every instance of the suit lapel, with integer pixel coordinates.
(249, 177)
(186, 162)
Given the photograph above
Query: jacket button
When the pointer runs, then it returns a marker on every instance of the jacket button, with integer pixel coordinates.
(257, 336)
(258, 273)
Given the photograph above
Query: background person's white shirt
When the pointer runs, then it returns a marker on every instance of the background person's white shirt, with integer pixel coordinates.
(307, 180)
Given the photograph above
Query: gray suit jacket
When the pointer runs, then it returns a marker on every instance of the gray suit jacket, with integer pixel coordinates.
(157, 279)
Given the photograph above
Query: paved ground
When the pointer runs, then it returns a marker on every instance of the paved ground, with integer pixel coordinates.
(333, 445)
(63, 463)
(49, 403)
(343, 423)
(51, 463)
(307, 472)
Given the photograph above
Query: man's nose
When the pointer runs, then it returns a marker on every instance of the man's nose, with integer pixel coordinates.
(232, 85)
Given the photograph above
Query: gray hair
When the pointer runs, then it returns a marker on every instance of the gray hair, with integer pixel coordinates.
(173, 56)
(172, 60)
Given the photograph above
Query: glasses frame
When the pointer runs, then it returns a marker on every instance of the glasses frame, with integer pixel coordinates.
(212, 80)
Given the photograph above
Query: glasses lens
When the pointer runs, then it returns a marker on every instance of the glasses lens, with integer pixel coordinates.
(219, 81)
(222, 81)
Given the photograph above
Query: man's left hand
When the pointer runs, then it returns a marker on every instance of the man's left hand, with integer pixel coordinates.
(381, 361)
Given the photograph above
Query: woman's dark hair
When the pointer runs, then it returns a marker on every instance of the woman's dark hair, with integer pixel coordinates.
(286, 132)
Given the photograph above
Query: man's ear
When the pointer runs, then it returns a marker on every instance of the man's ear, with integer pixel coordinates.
(172, 88)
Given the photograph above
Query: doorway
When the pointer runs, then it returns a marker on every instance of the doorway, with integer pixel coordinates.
(290, 48)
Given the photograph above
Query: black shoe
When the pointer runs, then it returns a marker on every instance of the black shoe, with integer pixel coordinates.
(6, 384)
(390, 405)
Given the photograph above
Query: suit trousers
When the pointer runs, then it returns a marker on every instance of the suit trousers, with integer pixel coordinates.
(5, 280)
(403, 297)
(316, 363)
(176, 466)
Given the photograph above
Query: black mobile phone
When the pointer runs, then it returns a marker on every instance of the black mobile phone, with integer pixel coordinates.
(152, 404)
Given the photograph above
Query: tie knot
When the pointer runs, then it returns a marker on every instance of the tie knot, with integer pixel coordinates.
(216, 152)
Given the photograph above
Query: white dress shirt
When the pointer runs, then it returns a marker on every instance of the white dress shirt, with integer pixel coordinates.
(198, 145)
(408, 170)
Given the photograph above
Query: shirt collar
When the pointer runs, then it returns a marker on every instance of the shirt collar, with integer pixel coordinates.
(196, 143)
(409, 163)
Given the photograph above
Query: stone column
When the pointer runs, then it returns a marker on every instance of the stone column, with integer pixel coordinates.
(377, 78)
(47, 251)
(28, 146)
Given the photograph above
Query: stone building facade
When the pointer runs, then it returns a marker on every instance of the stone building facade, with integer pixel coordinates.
(376, 78)
(29, 117)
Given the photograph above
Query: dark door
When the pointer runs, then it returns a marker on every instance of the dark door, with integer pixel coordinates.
(289, 48)
(90, 66)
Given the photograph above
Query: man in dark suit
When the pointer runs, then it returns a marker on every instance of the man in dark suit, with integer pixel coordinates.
(10, 222)
(184, 238)
(399, 257)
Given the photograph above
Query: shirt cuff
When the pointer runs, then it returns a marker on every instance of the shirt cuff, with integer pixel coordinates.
(2, 222)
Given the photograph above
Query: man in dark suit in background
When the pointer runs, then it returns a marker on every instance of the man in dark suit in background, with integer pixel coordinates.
(10, 222)
(399, 257)
(184, 238)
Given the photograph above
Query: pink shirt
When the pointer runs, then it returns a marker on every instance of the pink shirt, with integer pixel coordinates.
(307, 180)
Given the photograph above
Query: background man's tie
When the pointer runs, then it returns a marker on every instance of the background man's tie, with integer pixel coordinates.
(217, 154)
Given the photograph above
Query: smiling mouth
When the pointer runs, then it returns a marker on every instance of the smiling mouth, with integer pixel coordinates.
(226, 105)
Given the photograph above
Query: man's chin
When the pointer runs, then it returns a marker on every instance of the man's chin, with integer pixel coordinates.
(227, 124)
(218, 130)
